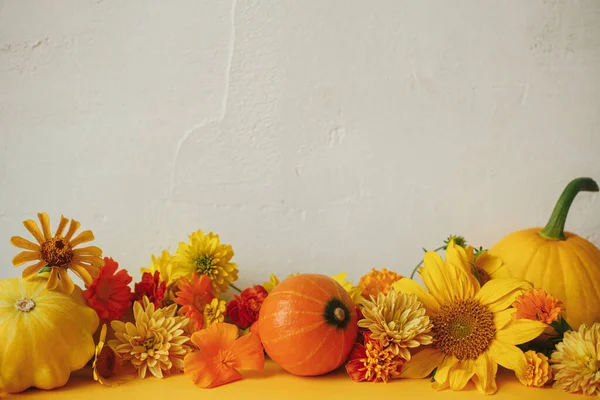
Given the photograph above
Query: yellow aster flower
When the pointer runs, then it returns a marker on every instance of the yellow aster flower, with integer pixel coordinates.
(473, 329)
(167, 271)
(576, 361)
(398, 321)
(376, 282)
(537, 370)
(353, 291)
(214, 312)
(206, 255)
(58, 253)
(155, 342)
(108, 367)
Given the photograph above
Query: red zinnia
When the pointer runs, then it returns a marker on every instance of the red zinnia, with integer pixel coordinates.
(151, 287)
(243, 310)
(109, 294)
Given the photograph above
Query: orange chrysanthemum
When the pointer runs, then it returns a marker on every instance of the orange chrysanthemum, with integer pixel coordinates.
(537, 305)
(109, 294)
(58, 253)
(193, 297)
(221, 353)
(377, 282)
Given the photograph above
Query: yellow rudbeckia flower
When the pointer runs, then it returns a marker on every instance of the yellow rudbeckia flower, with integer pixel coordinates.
(473, 330)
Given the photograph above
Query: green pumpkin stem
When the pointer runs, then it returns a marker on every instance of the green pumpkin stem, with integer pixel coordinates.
(555, 228)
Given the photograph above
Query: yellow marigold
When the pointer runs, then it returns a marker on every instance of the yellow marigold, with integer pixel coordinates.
(377, 282)
(214, 312)
(167, 271)
(353, 291)
(155, 342)
(536, 371)
(537, 305)
(206, 255)
(397, 320)
(576, 361)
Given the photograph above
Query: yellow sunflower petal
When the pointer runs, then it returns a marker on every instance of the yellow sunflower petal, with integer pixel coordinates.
(32, 227)
(492, 265)
(507, 355)
(461, 374)
(443, 370)
(498, 294)
(52, 280)
(66, 282)
(85, 236)
(72, 229)
(502, 318)
(45, 222)
(22, 243)
(521, 331)
(406, 285)
(422, 363)
(25, 256)
(61, 226)
(485, 374)
(32, 270)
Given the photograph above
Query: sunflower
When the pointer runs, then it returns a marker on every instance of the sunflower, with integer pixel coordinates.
(206, 255)
(58, 253)
(473, 329)
(486, 265)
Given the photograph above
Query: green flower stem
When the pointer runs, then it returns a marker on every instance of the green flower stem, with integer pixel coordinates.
(235, 287)
(555, 228)
(421, 262)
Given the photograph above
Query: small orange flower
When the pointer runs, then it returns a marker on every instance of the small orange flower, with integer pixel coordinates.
(193, 296)
(221, 353)
(376, 282)
(373, 363)
(537, 370)
(537, 305)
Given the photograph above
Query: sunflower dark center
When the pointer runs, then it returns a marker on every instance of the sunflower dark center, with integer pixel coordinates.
(337, 313)
(56, 252)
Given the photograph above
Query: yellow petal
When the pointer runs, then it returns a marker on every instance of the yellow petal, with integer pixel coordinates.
(82, 272)
(485, 374)
(33, 270)
(66, 283)
(502, 318)
(93, 260)
(53, 279)
(521, 331)
(25, 256)
(500, 293)
(507, 355)
(461, 374)
(422, 363)
(21, 243)
(32, 227)
(89, 250)
(72, 229)
(441, 374)
(85, 236)
(45, 222)
(447, 282)
(61, 226)
(406, 285)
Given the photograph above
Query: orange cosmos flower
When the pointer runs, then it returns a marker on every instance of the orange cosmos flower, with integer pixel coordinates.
(221, 353)
(193, 297)
(537, 305)
(109, 294)
(376, 282)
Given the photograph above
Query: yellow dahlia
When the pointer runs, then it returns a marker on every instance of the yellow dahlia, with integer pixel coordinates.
(376, 282)
(167, 271)
(214, 312)
(398, 321)
(353, 291)
(473, 330)
(58, 253)
(206, 255)
(155, 342)
(576, 361)
(537, 370)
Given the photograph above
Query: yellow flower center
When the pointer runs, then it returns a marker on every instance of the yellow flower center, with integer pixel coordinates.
(56, 252)
(464, 329)
(204, 264)
(25, 304)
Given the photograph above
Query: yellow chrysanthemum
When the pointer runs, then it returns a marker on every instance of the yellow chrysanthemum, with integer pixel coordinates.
(488, 266)
(353, 291)
(473, 330)
(167, 271)
(376, 282)
(155, 342)
(537, 370)
(398, 321)
(577, 361)
(206, 255)
(108, 368)
(58, 253)
(214, 312)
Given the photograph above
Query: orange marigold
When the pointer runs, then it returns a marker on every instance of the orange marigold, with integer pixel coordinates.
(193, 296)
(537, 305)
(373, 363)
(377, 282)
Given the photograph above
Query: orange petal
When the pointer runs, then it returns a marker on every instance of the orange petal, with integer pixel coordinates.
(197, 366)
(61, 226)
(90, 250)
(53, 279)
(25, 256)
(66, 282)
(32, 270)
(85, 236)
(216, 337)
(21, 243)
(225, 376)
(248, 353)
(45, 221)
(32, 227)
(72, 229)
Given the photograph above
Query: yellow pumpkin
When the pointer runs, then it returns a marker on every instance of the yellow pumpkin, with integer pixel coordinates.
(562, 263)
(44, 335)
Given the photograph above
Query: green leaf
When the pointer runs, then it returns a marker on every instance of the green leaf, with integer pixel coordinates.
(47, 268)
(433, 374)
(476, 273)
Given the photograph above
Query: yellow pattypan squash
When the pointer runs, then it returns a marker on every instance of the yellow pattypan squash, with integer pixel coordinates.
(44, 335)
(562, 263)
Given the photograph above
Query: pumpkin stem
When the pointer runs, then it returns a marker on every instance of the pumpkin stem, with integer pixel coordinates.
(555, 228)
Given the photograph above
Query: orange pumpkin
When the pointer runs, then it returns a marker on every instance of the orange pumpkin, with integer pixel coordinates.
(308, 324)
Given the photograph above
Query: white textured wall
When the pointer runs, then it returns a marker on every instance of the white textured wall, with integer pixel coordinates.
(312, 135)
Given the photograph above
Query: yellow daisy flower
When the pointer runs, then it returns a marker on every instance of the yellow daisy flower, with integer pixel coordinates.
(214, 312)
(354, 291)
(58, 253)
(206, 255)
(473, 329)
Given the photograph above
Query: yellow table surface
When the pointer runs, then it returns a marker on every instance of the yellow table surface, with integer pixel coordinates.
(275, 383)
